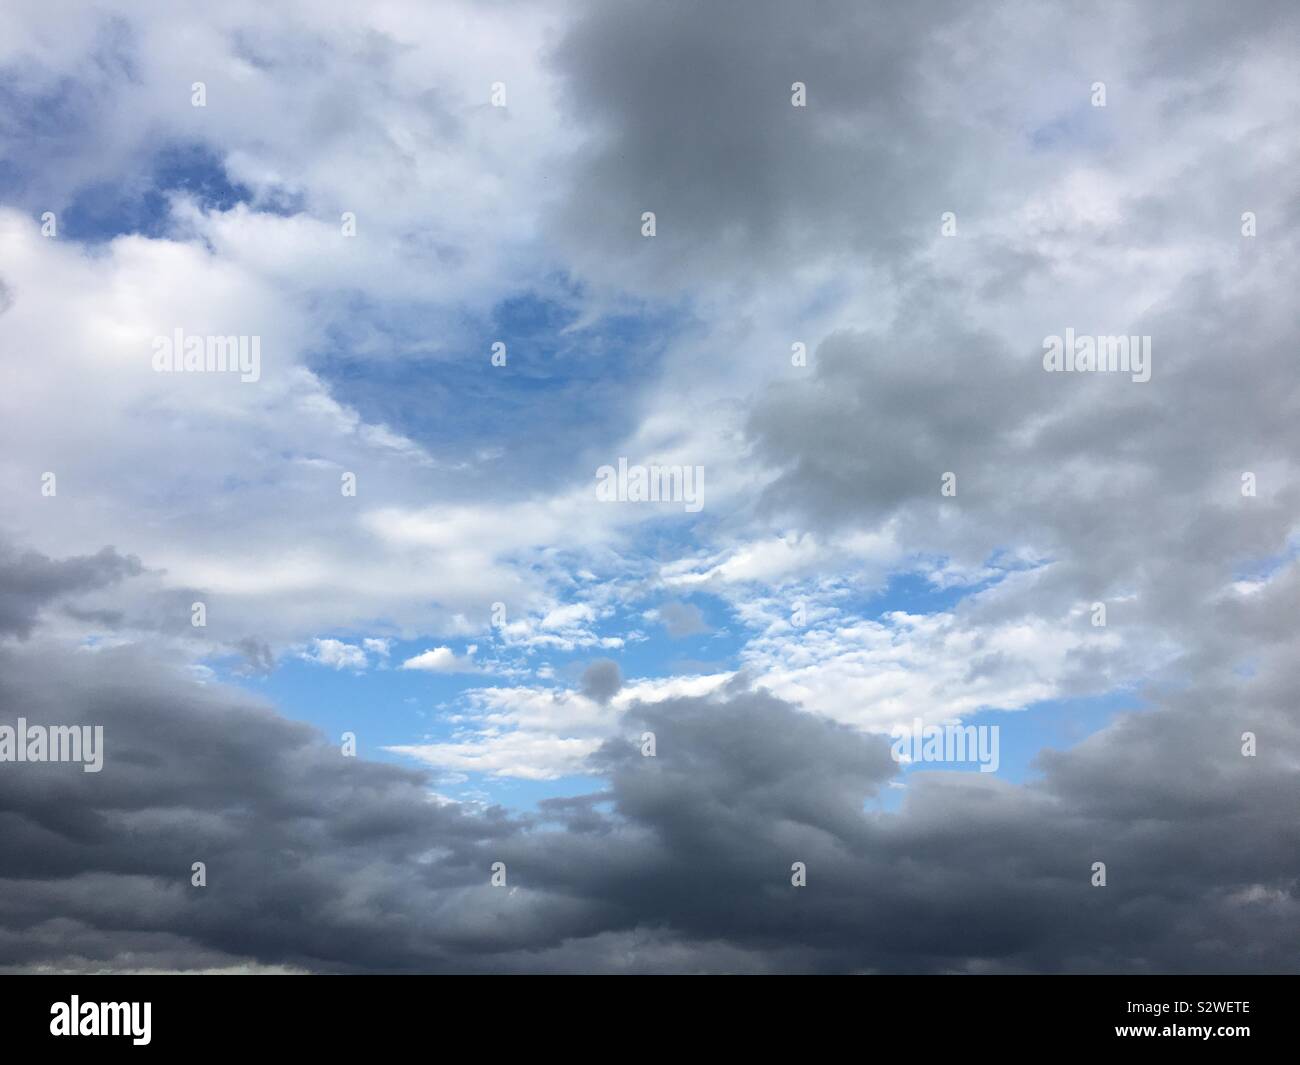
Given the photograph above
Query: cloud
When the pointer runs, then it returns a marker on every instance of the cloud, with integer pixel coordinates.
(328, 863)
(779, 228)
(443, 660)
(336, 655)
(29, 581)
(681, 619)
(601, 680)
(541, 733)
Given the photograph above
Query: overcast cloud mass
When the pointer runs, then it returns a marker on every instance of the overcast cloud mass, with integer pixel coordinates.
(369, 640)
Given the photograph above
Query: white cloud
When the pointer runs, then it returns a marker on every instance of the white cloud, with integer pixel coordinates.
(336, 654)
(537, 733)
(443, 660)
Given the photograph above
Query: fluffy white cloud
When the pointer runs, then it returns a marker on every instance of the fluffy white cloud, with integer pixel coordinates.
(443, 660)
(336, 654)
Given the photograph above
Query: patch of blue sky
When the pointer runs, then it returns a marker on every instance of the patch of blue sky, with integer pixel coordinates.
(911, 592)
(382, 706)
(138, 203)
(388, 706)
(1262, 569)
(914, 593)
(658, 655)
(1056, 724)
(566, 396)
(393, 707)
(523, 796)
(58, 123)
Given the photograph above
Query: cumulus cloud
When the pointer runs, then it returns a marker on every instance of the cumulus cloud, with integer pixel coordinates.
(443, 660)
(336, 654)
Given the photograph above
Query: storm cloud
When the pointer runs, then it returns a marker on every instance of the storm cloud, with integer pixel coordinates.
(319, 861)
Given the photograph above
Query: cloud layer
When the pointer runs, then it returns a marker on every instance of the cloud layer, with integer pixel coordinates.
(841, 317)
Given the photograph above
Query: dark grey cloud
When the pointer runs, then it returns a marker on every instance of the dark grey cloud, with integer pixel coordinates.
(911, 111)
(257, 655)
(691, 118)
(1132, 492)
(29, 581)
(601, 680)
(101, 862)
(319, 861)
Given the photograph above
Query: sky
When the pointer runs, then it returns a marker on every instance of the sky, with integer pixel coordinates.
(397, 673)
